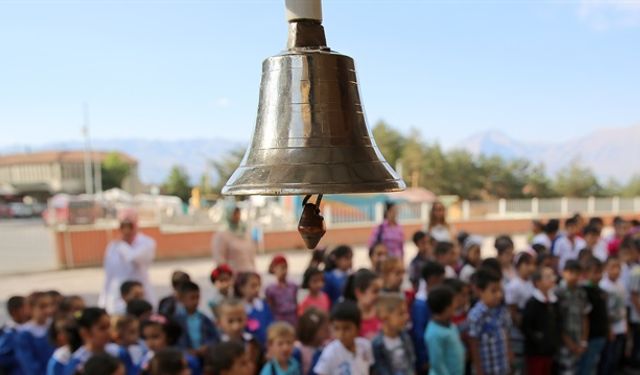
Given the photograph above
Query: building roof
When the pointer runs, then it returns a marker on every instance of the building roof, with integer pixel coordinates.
(59, 157)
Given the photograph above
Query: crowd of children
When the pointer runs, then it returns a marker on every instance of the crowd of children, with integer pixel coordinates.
(568, 304)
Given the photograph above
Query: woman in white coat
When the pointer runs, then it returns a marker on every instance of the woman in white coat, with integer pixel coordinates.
(127, 258)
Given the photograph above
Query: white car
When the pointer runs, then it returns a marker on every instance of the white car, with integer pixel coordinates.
(20, 210)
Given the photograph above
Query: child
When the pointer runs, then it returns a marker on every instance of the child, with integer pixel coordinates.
(392, 348)
(247, 287)
(598, 318)
(540, 324)
(424, 243)
(363, 288)
(461, 301)
(32, 346)
(446, 256)
(378, 252)
(446, 351)
(489, 325)
(131, 349)
(432, 275)
(504, 246)
(517, 293)
(347, 353)
(568, 246)
(228, 358)
(232, 324)
(392, 275)
(104, 364)
(169, 361)
(167, 306)
(69, 306)
(60, 334)
(160, 333)
(574, 307)
(222, 280)
(282, 296)
(472, 260)
(197, 329)
(336, 270)
(129, 290)
(313, 280)
(280, 338)
(139, 308)
(18, 310)
(312, 332)
(630, 252)
(616, 296)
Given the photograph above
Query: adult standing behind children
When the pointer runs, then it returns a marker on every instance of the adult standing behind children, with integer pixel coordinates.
(389, 232)
(438, 227)
(233, 246)
(127, 258)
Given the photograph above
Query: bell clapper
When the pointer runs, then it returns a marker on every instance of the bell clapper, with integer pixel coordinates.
(311, 225)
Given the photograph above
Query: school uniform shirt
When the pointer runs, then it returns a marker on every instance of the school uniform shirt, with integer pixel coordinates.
(123, 262)
(541, 323)
(598, 317)
(32, 348)
(568, 249)
(542, 239)
(82, 355)
(307, 357)
(259, 318)
(131, 357)
(466, 272)
(420, 316)
(518, 292)
(58, 361)
(450, 272)
(192, 362)
(334, 281)
(393, 355)
(8, 362)
(273, 368)
(283, 300)
(445, 349)
(197, 329)
(415, 269)
(600, 250)
(616, 294)
(338, 360)
(490, 327)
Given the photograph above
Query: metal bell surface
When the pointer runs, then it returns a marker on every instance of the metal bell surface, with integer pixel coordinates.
(311, 135)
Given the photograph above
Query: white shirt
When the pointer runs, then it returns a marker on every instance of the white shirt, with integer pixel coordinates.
(616, 296)
(123, 262)
(449, 272)
(600, 250)
(567, 250)
(518, 292)
(542, 239)
(337, 360)
(466, 272)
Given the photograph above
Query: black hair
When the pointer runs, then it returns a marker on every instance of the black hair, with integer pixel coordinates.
(552, 226)
(431, 269)
(101, 364)
(126, 286)
(536, 276)
(66, 304)
(442, 248)
(492, 264)
(15, 303)
(635, 222)
(188, 287)
(440, 298)
(418, 236)
(346, 311)
(341, 251)
(317, 257)
(241, 280)
(374, 246)
(593, 264)
(388, 205)
(523, 258)
(220, 357)
(484, 276)
(612, 258)
(618, 220)
(570, 222)
(168, 361)
(86, 319)
(542, 258)
(462, 237)
(456, 285)
(585, 254)
(591, 229)
(309, 323)
(169, 327)
(540, 249)
(360, 280)
(138, 308)
(503, 243)
(572, 265)
(178, 277)
(596, 221)
(308, 274)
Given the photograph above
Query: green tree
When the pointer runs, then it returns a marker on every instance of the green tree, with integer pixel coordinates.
(390, 142)
(177, 183)
(576, 180)
(225, 166)
(632, 188)
(538, 184)
(413, 159)
(462, 176)
(114, 170)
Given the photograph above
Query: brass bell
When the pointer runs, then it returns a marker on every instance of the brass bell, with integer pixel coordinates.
(311, 135)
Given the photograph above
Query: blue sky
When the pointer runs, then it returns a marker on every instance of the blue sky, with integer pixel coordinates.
(537, 70)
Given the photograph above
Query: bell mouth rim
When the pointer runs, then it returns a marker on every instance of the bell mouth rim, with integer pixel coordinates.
(302, 188)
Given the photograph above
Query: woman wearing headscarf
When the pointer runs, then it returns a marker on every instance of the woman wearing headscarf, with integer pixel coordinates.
(233, 245)
(127, 259)
(389, 232)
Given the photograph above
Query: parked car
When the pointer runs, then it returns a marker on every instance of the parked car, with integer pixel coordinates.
(20, 210)
(5, 210)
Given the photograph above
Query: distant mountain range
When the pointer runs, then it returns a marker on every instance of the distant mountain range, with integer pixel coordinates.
(613, 152)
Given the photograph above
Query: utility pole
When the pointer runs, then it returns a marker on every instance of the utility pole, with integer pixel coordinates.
(88, 175)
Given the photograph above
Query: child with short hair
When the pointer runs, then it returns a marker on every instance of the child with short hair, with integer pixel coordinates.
(445, 255)
(222, 279)
(616, 306)
(574, 306)
(169, 361)
(489, 324)
(280, 338)
(69, 306)
(247, 287)
(336, 271)
(129, 290)
(139, 308)
(160, 333)
(432, 275)
(32, 346)
(131, 349)
(599, 328)
(228, 358)
(197, 329)
(540, 323)
(104, 364)
(378, 252)
(446, 351)
(282, 296)
(18, 310)
(347, 353)
(392, 347)
(392, 271)
(313, 281)
(167, 305)
(232, 322)
(363, 288)
(424, 243)
(312, 332)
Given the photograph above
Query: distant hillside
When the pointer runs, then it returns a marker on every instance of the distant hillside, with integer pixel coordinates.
(611, 152)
